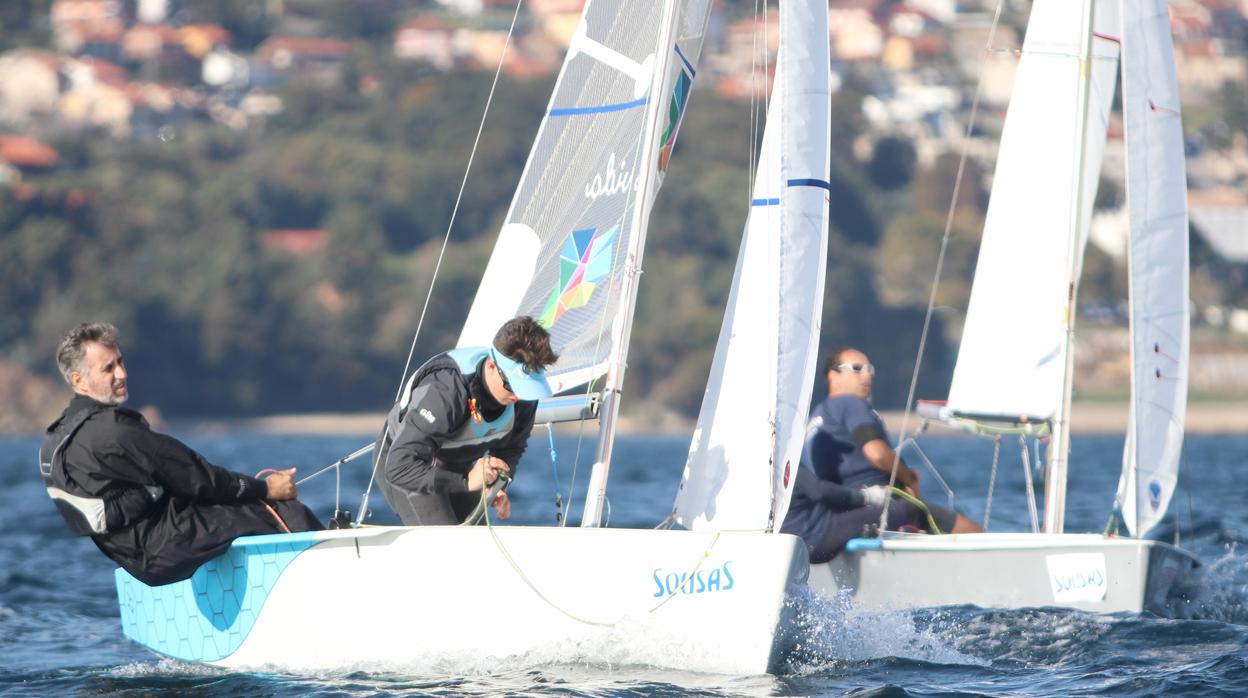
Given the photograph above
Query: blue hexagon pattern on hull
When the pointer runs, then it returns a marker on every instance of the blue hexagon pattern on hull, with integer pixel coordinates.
(207, 617)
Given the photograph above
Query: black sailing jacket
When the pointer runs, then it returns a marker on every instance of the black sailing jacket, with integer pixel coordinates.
(202, 509)
(423, 447)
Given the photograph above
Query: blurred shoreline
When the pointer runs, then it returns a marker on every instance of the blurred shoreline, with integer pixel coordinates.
(1089, 418)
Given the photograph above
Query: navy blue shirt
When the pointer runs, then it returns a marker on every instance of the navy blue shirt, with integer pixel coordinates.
(832, 449)
(814, 506)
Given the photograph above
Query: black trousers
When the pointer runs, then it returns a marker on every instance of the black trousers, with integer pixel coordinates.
(844, 525)
(442, 509)
(171, 544)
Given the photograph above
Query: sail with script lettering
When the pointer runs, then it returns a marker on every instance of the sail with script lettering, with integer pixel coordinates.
(574, 228)
(748, 439)
(1158, 263)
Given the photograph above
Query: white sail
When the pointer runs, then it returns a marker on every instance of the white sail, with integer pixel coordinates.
(1158, 259)
(1012, 355)
(564, 248)
(748, 439)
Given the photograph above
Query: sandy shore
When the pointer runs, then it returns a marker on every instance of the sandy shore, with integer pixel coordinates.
(1088, 418)
(1111, 418)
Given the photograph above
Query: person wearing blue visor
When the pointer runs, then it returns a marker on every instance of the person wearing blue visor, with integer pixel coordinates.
(462, 421)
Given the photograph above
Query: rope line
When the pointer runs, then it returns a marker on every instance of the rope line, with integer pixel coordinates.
(489, 100)
(992, 479)
(554, 471)
(502, 549)
(411, 351)
(940, 259)
(931, 521)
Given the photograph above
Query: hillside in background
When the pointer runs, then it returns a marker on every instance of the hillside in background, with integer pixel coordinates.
(280, 264)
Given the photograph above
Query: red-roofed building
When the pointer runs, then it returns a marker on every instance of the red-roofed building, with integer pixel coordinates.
(314, 59)
(27, 153)
(426, 38)
(297, 242)
(74, 20)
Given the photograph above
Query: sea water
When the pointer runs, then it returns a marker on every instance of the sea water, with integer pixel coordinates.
(60, 633)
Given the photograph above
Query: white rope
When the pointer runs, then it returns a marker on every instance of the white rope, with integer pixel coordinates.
(338, 463)
(489, 100)
(411, 351)
(992, 479)
(931, 467)
(753, 87)
(940, 258)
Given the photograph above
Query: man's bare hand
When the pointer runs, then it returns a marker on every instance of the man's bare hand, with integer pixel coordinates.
(280, 485)
(485, 472)
(502, 505)
(912, 485)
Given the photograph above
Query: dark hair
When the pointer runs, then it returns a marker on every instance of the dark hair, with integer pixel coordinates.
(834, 358)
(71, 350)
(522, 339)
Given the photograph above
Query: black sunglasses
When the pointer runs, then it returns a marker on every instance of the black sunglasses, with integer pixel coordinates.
(506, 383)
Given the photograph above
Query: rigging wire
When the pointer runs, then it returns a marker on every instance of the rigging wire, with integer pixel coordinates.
(554, 471)
(992, 479)
(476, 141)
(753, 122)
(1031, 488)
(940, 258)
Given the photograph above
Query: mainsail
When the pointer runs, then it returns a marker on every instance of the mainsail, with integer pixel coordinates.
(564, 249)
(1158, 262)
(749, 433)
(1013, 352)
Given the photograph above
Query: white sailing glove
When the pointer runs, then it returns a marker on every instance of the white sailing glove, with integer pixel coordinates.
(875, 496)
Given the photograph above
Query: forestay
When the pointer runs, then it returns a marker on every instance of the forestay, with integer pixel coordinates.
(565, 245)
(1157, 207)
(1013, 354)
(749, 432)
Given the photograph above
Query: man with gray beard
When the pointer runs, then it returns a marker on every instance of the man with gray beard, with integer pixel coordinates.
(149, 502)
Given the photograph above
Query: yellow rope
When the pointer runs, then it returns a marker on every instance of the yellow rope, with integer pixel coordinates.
(931, 522)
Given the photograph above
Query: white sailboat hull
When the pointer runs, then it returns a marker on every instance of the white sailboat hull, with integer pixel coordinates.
(405, 596)
(1084, 571)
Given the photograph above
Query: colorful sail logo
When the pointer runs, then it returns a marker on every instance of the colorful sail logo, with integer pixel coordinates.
(676, 110)
(584, 260)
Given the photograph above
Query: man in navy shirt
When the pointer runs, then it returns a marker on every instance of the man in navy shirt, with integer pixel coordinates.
(847, 443)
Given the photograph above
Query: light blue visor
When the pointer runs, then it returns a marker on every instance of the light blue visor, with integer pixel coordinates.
(525, 385)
